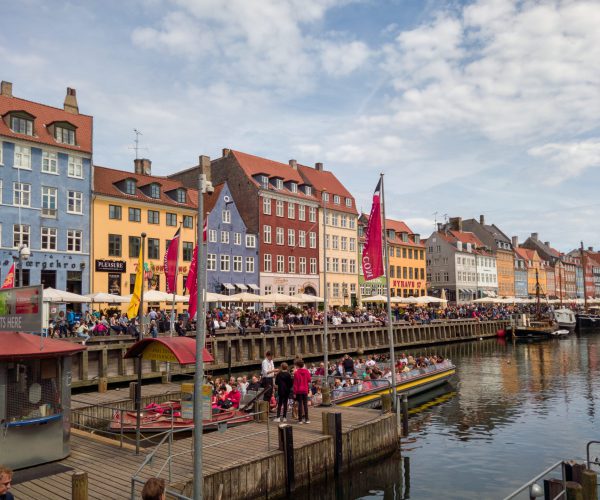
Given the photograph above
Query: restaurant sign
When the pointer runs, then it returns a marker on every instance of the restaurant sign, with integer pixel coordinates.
(110, 266)
(21, 309)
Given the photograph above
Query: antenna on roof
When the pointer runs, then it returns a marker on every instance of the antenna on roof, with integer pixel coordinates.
(435, 219)
(446, 218)
(137, 143)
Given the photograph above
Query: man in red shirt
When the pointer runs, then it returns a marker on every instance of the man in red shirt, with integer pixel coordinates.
(301, 389)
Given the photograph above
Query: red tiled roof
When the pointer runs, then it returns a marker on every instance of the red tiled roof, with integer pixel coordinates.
(322, 180)
(255, 165)
(525, 253)
(105, 180)
(44, 116)
(467, 237)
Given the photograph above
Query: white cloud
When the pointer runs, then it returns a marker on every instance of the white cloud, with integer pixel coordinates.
(341, 59)
(570, 159)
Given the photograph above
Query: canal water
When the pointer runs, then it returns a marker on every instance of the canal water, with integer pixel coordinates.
(515, 411)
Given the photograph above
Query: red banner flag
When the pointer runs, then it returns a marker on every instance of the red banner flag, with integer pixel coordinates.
(171, 263)
(372, 257)
(9, 281)
(192, 284)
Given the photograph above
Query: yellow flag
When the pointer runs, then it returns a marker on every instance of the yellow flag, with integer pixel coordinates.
(134, 305)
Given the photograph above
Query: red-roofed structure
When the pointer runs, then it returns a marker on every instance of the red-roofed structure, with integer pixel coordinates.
(16, 345)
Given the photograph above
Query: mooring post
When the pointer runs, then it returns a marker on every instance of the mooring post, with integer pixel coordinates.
(325, 393)
(102, 384)
(286, 444)
(132, 386)
(386, 403)
(574, 491)
(79, 486)
(404, 414)
(262, 411)
(589, 483)
(332, 426)
(573, 471)
(552, 488)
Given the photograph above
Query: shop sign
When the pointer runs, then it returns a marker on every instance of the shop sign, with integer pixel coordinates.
(114, 283)
(21, 309)
(110, 266)
(159, 352)
(406, 284)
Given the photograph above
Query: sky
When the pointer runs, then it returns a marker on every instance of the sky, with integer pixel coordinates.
(485, 107)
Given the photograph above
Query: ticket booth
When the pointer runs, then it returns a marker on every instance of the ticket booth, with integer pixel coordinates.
(35, 399)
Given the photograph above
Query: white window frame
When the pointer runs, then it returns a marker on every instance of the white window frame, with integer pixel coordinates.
(28, 125)
(325, 196)
(291, 264)
(268, 289)
(224, 263)
(23, 189)
(279, 237)
(280, 264)
(344, 266)
(226, 216)
(293, 187)
(291, 238)
(302, 265)
(281, 289)
(211, 262)
(225, 237)
(77, 198)
(75, 167)
(49, 163)
(313, 265)
(352, 223)
(212, 235)
(74, 240)
(343, 243)
(335, 265)
(335, 242)
(250, 241)
(237, 263)
(264, 181)
(279, 208)
(59, 135)
(308, 190)
(50, 235)
(267, 202)
(302, 239)
(22, 232)
(344, 221)
(312, 214)
(267, 234)
(312, 238)
(301, 212)
(336, 199)
(268, 263)
(349, 202)
(22, 157)
(352, 246)
(352, 267)
(237, 238)
(291, 210)
(49, 194)
(250, 264)
(279, 184)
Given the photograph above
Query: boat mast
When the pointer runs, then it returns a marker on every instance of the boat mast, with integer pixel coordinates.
(585, 304)
(537, 294)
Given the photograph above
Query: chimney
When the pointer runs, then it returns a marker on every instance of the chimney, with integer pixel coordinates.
(71, 101)
(6, 89)
(455, 223)
(439, 226)
(204, 164)
(547, 243)
(142, 166)
(590, 249)
(319, 167)
(515, 241)
(482, 220)
(226, 152)
(534, 236)
(293, 164)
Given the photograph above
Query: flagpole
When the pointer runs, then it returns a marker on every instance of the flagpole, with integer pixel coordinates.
(174, 291)
(389, 304)
(138, 387)
(325, 297)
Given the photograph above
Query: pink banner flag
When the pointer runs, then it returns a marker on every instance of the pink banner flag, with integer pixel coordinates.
(9, 281)
(372, 257)
(171, 263)
(192, 284)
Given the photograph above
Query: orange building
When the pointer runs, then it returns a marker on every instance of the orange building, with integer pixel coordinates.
(533, 263)
(407, 260)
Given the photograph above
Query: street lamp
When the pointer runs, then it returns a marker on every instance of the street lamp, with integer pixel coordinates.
(24, 254)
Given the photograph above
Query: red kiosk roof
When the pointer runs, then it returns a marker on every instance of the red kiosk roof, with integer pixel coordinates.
(182, 348)
(16, 345)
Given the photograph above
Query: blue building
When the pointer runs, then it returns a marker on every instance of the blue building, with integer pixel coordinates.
(45, 187)
(232, 253)
(521, 289)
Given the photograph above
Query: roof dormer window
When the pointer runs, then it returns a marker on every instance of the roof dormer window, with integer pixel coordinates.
(293, 187)
(349, 202)
(336, 199)
(278, 183)
(154, 191)
(20, 124)
(405, 237)
(181, 198)
(308, 190)
(130, 186)
(64, 135)
(264, 180)
(325, 196)
(391, 234)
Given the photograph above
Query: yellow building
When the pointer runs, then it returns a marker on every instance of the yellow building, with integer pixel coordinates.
(534, 263)
(407, 261)
(340, 232)
(125, 205)
(505, 263)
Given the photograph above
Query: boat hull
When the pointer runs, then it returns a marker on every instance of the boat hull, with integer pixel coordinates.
(588, 322)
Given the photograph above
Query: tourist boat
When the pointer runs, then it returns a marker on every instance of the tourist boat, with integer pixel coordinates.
(416, 381)
(523, 327)
(168, 415)
(565, 318)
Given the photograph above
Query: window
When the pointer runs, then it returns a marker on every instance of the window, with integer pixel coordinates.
(130, 187)
(352, 244)
(410, 253)
(21, 194)
(249, 264)
(250, 241)
(188, 250)
(267, 263)
(279, 236)
(308, 190)
(49, 163)
(328, 264)
(268, 289)
(313, 265)
(312, 238)
(22, 157)
(212, 235)
(352, 266)
(301, 212)
(264, 181)
(154, 191)
(135, 215)
(334, 220)
(64, 135)
(348, 202)
(336, 265)
(49, 201)
(352, 222)
(291, 211)
(280, 289)
(188, 221)
(345, 267)
(74, 240)
(237, 238)
(279, 208)
(181, 196)
(278, 184)
(344, 221)
(267, 206)
(153, 217)
(75, 167)
(48, 238)
(226, 216)
(325, 196)
(280, 264)
(114, 245)
(21, 235)
(134, 246)
(312, 214)
(302, 239)
(302, 265)
(327, 241)
(224, 260)
(335, 242)
(336, 289)
(225, 237)
(211, 262)
(291, 264)
(114, 212)
(21, 125)
(171, 219)
(74, 202)
(293, 187)
(292, 290)
(237, 263)
(153, 248)
(336, 199)
(291, 238)
(167, 243)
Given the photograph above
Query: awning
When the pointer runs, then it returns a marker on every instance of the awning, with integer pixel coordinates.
(229, 286)
(180, 350)
(254, 287)
(17, 345)
(241, 286)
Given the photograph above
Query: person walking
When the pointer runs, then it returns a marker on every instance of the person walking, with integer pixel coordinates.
(283, 382)
(267, 374)
(301, 390)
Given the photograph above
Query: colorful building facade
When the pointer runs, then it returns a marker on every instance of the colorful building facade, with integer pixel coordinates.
(408, 275)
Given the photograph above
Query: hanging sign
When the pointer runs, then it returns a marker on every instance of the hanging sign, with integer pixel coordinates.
(21, 309)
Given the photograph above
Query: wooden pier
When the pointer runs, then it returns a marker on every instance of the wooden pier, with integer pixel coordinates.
(103, 358)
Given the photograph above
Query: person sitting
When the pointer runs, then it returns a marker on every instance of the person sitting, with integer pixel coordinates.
(100, 328)
(82, 331)
(234, 396)
(255, 384)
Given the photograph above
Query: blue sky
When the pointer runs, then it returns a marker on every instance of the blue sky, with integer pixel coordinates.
(485, 107)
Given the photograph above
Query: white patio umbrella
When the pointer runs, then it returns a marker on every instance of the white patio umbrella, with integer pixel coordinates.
(375, 298)
(280, 298)
(179, 299)
(485, 300)
(432, 300)
(106, 298)
(305, 297)
(398, 300)
(61, 296)
(245, 297)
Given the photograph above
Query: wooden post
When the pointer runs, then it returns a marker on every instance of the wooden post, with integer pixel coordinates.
(132, 386)
(332, 426)
(404, 415)
(386, 403)
(325, 393)
(589, 483)
(574, 491)
(79, 486)
(102, 384)
(573, 471)
(286, 444)
(552, 488)
(262, 408)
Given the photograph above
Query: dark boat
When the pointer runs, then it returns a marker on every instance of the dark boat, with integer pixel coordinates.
(589, 320)
(523, 327)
